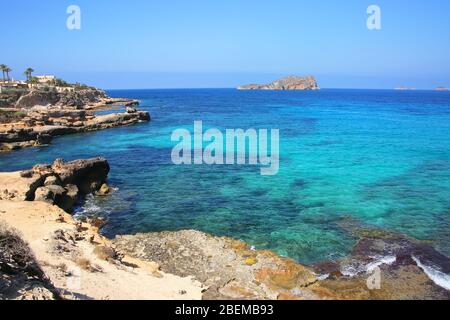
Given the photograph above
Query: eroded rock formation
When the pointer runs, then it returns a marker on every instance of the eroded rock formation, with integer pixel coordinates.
(59, 183)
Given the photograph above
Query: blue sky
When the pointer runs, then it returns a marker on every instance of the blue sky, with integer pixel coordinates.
(205, 43)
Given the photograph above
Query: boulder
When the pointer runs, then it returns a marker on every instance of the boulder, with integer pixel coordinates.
(65, 198)
(51, 194)
(88, 175)
(43, 139)
(104, 190)
(70, 198)
(52, 181)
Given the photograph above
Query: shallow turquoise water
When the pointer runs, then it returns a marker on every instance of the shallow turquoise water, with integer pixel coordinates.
(382, 157)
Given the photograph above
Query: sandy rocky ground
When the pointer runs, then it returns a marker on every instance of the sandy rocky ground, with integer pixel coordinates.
(76, 259)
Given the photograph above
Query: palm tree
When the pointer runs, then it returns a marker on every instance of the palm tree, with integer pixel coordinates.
(3, 67)
(28, 73)
(7, 71)
(32, 81)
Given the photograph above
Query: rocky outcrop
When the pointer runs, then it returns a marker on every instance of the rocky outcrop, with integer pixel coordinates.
(47, 123)
(115, 120)
(88, 175)
(288, 83)
(59, 183)
(122, 101)
(76, 99)
(37, 98)
(81, 98)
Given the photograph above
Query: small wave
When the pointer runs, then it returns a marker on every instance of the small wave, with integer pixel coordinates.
(388, 260)
(321, 277)
(358, 267)
(439, 278)
(89, 208)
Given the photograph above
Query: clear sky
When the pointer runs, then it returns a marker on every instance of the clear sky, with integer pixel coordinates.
(212, 43)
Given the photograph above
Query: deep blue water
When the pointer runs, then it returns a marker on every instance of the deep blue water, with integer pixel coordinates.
(380, 157)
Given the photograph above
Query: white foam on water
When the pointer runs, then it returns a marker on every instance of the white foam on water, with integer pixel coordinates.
(354, 269)
(351, 270)
(88, 208)
(380, 261)
(323, 276)
(438, 277)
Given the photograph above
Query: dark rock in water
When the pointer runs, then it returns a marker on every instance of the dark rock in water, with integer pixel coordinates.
(406, 252)
(104, 190)
(43, 139)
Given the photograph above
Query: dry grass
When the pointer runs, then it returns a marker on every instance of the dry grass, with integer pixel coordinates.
(105, 253)
(18, 266)
(14, 250)
(84, 264)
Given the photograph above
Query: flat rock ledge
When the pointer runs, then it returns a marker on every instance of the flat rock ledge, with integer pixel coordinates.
(44, 123)
(231, 269)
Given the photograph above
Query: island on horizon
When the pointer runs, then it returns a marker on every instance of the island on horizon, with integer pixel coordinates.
(286, 83)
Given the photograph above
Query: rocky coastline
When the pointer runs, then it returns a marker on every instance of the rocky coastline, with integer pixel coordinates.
(35, 117)
(185, 264)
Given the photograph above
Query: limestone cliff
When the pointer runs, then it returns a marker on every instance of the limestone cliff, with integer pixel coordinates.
(287, 83)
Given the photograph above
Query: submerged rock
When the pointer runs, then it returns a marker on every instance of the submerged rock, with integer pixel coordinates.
(104, 190)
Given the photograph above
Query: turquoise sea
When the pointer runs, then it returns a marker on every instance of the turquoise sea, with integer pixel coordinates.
(378, 157)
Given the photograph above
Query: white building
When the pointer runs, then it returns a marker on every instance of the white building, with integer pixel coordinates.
(45, 78)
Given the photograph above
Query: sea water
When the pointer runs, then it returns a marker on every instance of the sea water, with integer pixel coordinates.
(381, 158)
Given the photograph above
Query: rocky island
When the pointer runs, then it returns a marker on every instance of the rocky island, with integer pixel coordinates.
(32, 114)
(287, 83)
